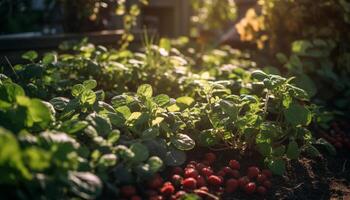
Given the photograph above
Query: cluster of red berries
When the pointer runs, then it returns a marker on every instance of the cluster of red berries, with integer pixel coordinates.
(337, 137)
(201, 179)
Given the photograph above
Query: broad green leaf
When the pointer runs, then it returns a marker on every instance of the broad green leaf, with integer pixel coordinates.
(304, 82)
(145, 90)
(157, 121)
(150, 133)
(140, 151)
(329, 147)
(9, 92)
(182, 142)
(102, 124)
(229, 108)
(38, 112)
(161, 100)
(30, 55)
(108, 160)
(88, 96)
(293, 150)
(37, 159)
(259, 75)
(297, 115)
(12, 167)
(155, 164)
(73, 126)
(207, 138)
(125, 111)
(77, 89)
(174, 157)
(125, 153)
(277, 166)
(265, 149)
(113, 136)
(49, 58)
(59, 103)
(90, 84)
(279, 151)
(312, 151)
(187, 101)
(85, 185)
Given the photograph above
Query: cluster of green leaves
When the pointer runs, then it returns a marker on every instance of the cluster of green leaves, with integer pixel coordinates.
(270, 115)
(314, 51)
(316, 70)
(120, 130)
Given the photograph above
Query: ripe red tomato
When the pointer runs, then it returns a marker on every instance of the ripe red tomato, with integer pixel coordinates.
(201, 181)
(214, 180)
(234, 164)
(189, 183)
(267, 173)
(261, 190)
(207, 172)
(261, 178)
(250, 188)
(243, 181)
(167, 189)
(191, 172)
(231, 185)
(253, 172)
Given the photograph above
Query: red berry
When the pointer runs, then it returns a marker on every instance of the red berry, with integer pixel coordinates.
(261, 178)
(221, 173)
(191, 172)
(201, 181)
(261, 190)
(128, 191)
(135, 197)
(234, 164)
(253, 172)
(167, 189)
(235, 173)
(189, 183)
(156, 182)
(227, 170)
(250, 188)
(267, 173)
(231, 185)
(207, 172)
(177, 170)
(176, 179)
(267, 184)
(214, 180)
(243, 181)
(210, 157)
